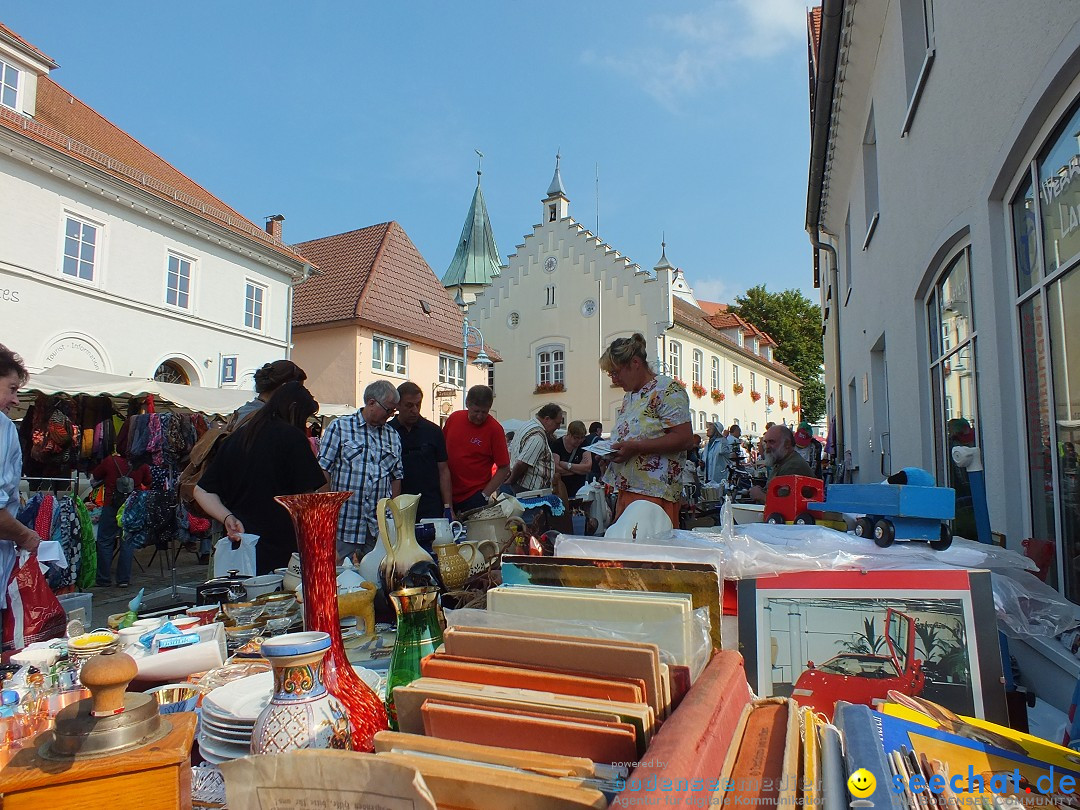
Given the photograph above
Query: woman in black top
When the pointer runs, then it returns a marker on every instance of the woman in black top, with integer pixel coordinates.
(267, 455)
(575, 462)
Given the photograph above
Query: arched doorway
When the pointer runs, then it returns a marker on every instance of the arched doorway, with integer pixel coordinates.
(171, 371)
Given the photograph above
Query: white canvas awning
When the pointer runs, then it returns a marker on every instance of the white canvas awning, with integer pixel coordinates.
(209, 401)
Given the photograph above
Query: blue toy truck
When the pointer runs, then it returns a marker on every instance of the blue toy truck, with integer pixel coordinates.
(895, 512)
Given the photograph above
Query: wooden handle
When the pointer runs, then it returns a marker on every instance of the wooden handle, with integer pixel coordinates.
(107, 676)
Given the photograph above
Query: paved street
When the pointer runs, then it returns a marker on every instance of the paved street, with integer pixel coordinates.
(153, 577)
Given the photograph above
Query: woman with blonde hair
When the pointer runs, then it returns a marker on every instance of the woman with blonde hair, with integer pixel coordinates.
(652, 430)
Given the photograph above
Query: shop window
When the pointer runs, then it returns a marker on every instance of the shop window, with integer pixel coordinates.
(953, 372)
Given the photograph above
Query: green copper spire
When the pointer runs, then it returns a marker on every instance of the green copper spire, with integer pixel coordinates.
(476, 260)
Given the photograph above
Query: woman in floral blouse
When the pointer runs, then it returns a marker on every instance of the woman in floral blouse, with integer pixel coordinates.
(652, 431)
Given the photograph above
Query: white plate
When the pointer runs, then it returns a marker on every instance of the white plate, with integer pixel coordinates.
(241, 700)
(226, 735)
(223, 750)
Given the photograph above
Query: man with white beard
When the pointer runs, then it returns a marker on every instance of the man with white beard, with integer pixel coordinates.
(781, 458)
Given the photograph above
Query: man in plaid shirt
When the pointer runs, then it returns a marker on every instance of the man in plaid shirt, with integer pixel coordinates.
(362, 454)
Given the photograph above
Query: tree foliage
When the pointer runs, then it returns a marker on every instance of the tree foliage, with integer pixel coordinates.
(794, 322)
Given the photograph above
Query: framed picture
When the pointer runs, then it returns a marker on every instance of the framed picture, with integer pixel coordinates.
(823, 636)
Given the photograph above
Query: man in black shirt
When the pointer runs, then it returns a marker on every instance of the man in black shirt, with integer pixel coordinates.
(423, 455)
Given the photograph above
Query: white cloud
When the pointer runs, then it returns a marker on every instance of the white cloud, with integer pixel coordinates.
(713, 289)
(686, 53)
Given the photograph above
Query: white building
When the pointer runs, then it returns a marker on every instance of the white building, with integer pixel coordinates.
(943, 153)
(564, 295)
(113, 260)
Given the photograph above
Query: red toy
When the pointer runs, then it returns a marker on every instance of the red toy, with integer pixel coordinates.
(787, 496)
(865, 678)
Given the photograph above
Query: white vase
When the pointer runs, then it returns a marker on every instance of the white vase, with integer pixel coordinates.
(369, 565)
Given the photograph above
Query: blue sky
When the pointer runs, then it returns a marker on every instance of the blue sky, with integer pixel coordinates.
(345, 114)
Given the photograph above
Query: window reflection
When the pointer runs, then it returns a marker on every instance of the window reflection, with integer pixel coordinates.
(1063, 302)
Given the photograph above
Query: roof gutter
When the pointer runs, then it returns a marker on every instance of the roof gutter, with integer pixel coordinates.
(832, 22)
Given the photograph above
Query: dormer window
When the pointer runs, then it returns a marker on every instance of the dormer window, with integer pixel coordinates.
(740, 337)
(9, 85)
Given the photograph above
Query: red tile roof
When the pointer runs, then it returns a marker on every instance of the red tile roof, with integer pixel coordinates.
(69, 126)
(7, 33)
(377, 277)
(712, 307)
(695, 319)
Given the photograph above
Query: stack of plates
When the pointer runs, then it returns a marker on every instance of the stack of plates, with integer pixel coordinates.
(229, 714)
(230, 711)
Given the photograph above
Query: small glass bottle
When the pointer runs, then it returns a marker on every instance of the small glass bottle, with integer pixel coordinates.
(419, 634)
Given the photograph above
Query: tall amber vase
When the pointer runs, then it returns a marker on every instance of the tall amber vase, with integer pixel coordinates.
(315, 518)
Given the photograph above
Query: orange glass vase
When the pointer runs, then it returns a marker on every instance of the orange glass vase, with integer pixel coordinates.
(315, 517)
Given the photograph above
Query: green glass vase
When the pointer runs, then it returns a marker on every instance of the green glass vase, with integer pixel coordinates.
(418, 634)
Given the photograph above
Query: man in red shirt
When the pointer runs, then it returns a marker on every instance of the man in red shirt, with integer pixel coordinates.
(475, 443)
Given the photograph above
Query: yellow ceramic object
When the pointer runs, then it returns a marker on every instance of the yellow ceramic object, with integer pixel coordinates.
(453, 565)
(360, 604)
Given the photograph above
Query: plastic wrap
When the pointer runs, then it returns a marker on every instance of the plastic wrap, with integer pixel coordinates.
(701, 641)
(1027, 606)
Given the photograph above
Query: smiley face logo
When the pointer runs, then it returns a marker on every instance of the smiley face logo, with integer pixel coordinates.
(862, 784)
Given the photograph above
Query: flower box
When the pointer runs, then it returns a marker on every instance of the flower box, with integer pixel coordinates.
(755, 395)
(549, 388)
(783, 404)
(770, 399)
(737, 388)
(699, 390)
(717, 395)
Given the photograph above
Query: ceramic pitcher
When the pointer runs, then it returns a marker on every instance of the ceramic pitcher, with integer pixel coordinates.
(446, 531)
(454, 565)
(405, 560)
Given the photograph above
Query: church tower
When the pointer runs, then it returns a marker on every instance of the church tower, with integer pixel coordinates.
(476, 260)
(556, 204)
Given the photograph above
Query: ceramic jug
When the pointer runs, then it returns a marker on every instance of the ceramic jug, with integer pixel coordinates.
(302, 713)
(445, 531)
(406, 564)
(454, 565)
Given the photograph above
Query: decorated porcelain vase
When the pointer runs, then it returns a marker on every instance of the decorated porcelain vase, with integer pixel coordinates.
(302, 713)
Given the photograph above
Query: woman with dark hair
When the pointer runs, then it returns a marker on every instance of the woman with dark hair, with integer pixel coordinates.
(267, 455)
(269, 379)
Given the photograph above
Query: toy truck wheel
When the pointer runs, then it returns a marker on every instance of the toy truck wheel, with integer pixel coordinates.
(775, 517)
(804, 519)
(944, 542)
(884, 533)
(864, 527)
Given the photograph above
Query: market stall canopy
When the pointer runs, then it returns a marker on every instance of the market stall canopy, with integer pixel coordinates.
(75, 381)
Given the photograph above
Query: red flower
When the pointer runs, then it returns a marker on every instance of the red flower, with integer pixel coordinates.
(549, 388)
(717, 395)
(699, 390)
(755, 395)
(737, 388)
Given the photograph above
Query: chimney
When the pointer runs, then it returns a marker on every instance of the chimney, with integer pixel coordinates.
(274, 226)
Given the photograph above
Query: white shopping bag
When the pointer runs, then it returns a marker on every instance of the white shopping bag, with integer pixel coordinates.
(241, 560)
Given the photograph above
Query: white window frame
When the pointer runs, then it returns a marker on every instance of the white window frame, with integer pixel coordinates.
(182, 259)
(451, 370)
(734, 374)
(551, 364)
(6, 70)
(256, 321)
(753, 381)
(675, 359)
(699, 364)
(392, 367)
(717, 372)
(768, 386)
(99, 245)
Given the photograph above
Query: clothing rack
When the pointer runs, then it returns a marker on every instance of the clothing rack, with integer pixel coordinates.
(72, 480)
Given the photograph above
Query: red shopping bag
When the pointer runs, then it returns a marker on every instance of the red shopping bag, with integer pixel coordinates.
(33, 611)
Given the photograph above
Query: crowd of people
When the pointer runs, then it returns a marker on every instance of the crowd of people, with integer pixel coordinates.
(275, 447)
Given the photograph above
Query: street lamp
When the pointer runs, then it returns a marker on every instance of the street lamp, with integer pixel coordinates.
(482, 360)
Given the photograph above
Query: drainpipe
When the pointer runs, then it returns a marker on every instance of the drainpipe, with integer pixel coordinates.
(289, 305)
